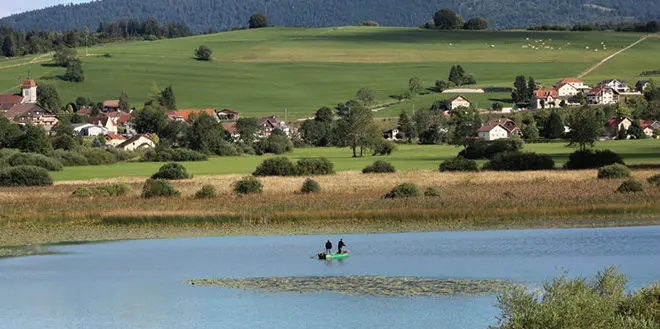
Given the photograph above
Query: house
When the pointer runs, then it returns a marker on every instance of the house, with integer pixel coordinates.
(392, 134)
(602, 95)
(649, 127)
(619, 86)
(28, 96)
(85, 110)
(458, 101)
(123, 121)
(615, 125)
(172, 116)
(114, 139)
(576, 83)
(498, 129)
(641, 85)
(271, 123)
(7, 101)
(187, 115)
(232, 130)
(89, 130)
(567, 90)
(545, 98)
(137, 142)
(111, 105)
(228, 115)
(109, 123)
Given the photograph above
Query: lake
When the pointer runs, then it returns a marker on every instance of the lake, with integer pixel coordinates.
(140, 284)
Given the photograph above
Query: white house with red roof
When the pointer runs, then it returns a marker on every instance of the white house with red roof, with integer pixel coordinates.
(616, 124)
(138, 142)
(498, 129)
(619, 86)
(109, 123)
(271, 123)
(228, 114)
(602, 95)
(545, 98)
(111, 105)
(649, 127)
(114, 139)
(458, 101)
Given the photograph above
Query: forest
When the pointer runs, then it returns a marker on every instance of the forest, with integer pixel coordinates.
(212, 15)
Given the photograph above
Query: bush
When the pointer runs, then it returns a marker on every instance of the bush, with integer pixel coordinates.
(25, 176)
(630, 186)
(279, 166)
(70, 158)
(277, 143)
(385, 147)
(207, 192)
(97, 157)
(520, 161)
(459, 163)
(379, 166)
(404, 190)
(481, 149)
(123, 155)
(109, 190)
(248, 185)
(589, 159)
(654, 180)
(172, 170)
(34, 159)
(613, 171)
(317, 166)
(310, 186)
(158, 188)
(166, 155)
(432, 191)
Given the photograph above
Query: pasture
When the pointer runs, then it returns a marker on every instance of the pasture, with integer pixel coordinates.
(407, 157)
(296, 70)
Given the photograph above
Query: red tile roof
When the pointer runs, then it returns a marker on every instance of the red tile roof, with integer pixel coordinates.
(229, 111)
(185, 114)
(647, 123)
(599, 89)
(122, 117)
(7, 101)
(230, 127)
(27, 83)
(545, 93)
(22, 109)
(113, 104)
(568, 80)
(85, 110)
(115, 136)
(102, 119)
(507, 124)
(616, 121)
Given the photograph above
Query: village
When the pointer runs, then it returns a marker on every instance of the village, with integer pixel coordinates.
(118, 130)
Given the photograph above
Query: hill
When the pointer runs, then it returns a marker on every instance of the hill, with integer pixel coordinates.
(266, 71)
(202, 15)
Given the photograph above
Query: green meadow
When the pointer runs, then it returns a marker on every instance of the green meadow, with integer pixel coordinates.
(297, 70)
(406, 157)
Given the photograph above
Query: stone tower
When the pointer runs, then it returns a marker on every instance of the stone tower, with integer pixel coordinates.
(29, 91)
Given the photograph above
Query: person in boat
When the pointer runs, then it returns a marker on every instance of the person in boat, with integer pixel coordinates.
(328, 247)
(340, 245)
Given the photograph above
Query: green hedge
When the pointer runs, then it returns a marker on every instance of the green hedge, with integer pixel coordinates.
(158, 188)
(459, 164)
(248, 185)
(109, 190)
(379, 166)
(172, 170)
(589, 159)
(404, 190)
(613, 171)
(34, 159)
(173, 155)
(520, 161)
(25, 176)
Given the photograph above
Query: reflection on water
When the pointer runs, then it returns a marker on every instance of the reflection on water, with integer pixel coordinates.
(141, 284)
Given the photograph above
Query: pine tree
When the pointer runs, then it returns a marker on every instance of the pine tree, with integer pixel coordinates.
(167, 99)
(124, 105)
(531, 86)
(406, 127)
(553, 127)
(520, 89)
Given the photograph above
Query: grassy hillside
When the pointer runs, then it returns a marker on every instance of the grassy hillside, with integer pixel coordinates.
(407, 157)
(267, 71)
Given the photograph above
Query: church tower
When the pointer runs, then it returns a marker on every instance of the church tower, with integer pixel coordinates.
(29, 91)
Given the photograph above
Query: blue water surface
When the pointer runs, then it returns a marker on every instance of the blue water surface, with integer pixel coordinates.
(140, 284)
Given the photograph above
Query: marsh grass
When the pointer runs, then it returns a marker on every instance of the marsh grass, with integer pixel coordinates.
(350, 202)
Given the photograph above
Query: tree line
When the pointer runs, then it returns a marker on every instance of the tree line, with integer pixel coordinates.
(641, 27)
(16, 42)
(202, 15)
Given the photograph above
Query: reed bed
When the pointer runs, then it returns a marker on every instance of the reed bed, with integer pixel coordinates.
(349, 202)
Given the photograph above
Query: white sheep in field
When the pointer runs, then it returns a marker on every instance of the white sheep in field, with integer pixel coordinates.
(492, 46)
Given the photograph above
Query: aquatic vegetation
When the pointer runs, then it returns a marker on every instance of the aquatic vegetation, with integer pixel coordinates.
(363, 285)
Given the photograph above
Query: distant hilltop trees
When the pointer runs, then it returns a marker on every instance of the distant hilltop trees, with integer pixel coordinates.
(205, 15)
(447, 19)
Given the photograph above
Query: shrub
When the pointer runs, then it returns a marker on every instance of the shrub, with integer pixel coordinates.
(432, 191)
(277, 143)
(379, 166)
(173, 155)
(123, 155)
(317, 166)
(248, 185)
(481, 149)
(97, 157)
(630, 186)
(158, 188)
(207, 192)
(70, 158)
(613, 171)
(310, 186)
(459, 163)
(34, 159)
(385, 147)
(279, 166)
(172, 170)
(654, 180)
(589, 159)
(25, 176)
(404, 190)
(520, 161)
(108, 190)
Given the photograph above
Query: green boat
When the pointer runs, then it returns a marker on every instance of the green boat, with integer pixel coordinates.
(343, 255)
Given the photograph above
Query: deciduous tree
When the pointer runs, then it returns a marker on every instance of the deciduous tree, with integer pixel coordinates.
(585, 128)
(257, 21)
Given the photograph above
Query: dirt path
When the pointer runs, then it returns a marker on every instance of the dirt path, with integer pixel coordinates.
(604, 60)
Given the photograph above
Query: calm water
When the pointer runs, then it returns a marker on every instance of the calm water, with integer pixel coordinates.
(139, 284)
